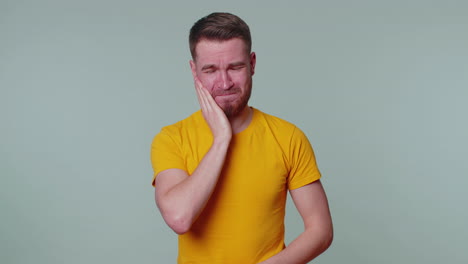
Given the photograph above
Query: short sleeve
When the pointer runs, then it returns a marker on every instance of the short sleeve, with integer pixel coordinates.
(303, 166)
(166, 153)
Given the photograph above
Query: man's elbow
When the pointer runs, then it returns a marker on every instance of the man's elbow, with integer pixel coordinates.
(177, 219)
(327, 239)
(180, 227)
(179, 224)
(324, 237)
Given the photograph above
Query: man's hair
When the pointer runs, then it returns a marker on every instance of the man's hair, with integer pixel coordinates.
(220, 27)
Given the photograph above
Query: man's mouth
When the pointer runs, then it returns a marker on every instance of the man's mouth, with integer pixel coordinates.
(226, 92)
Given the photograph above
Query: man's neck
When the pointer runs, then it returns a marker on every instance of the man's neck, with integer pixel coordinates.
(242, 120)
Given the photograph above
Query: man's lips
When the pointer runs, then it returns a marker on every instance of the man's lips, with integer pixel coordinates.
(225, 92)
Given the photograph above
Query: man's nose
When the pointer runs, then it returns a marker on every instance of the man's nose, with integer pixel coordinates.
(225, 81)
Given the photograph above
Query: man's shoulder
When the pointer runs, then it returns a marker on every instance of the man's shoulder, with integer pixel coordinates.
(179, 131)
(274, 121)
(191, 121)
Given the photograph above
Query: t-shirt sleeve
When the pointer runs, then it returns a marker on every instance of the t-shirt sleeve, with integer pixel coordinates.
(303, 168)
(166, 153)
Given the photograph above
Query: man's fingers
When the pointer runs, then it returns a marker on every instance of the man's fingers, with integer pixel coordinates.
(203, 101)
(198, 83)
(197, 91)
(200, 93)
(205, 95)
(204, 98)
(209, 99)
(199, 97)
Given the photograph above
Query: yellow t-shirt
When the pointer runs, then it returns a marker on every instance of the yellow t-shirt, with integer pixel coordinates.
(243, 221)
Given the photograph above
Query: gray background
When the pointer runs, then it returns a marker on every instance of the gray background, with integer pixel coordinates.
(380, 88)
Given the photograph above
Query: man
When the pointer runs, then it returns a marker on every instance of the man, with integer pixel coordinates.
(221, 175)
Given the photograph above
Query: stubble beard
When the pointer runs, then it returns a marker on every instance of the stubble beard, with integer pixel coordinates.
(233, 109)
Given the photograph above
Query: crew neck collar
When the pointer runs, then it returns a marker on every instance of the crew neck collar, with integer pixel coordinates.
(250, 126)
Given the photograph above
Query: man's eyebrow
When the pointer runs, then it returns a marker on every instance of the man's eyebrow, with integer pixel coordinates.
(238, 63)
(233, 64)
(208, 66)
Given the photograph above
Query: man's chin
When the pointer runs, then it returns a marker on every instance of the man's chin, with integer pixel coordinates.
(232, 111)
(229, 111)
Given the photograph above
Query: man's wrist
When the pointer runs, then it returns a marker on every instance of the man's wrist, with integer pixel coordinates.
(222, 141)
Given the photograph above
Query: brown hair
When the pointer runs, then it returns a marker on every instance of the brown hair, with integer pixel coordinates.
(219, 26)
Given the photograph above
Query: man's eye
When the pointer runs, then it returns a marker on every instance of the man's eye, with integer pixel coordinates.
(236, 68)
(209, 71)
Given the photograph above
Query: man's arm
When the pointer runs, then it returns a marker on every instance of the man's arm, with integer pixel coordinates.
(312, 204)
(181, 198)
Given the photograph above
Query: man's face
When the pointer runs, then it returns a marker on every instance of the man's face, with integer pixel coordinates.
(225, 69)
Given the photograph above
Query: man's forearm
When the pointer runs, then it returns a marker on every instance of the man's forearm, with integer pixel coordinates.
(306, 247)
(182, 204)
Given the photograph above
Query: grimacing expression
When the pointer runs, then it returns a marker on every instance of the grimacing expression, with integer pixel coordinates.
(225, 69)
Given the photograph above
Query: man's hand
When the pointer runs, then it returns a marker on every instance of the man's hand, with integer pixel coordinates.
(213, 114)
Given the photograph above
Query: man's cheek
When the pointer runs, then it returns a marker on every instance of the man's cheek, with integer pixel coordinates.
(209, 86)
(206, 82)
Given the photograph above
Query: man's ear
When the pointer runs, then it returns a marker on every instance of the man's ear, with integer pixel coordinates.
(193, 67)
(253, 61)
